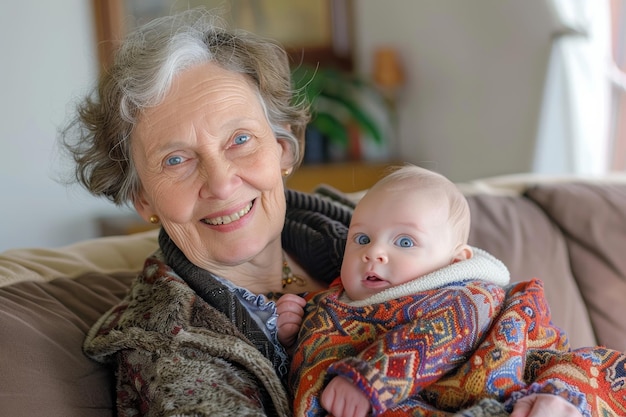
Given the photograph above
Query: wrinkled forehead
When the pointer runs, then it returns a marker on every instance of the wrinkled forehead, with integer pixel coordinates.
(202, 91)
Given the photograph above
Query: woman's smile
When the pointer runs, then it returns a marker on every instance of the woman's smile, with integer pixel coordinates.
(228, 218)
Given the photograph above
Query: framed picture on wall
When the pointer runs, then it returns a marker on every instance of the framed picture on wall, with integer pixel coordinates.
(313, 32)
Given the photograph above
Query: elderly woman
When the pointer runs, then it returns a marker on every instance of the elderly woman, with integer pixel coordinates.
(197, 127)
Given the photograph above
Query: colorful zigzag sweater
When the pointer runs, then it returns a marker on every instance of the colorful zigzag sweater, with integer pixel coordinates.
(451, 345)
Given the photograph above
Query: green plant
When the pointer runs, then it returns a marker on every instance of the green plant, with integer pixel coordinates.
(339, 99)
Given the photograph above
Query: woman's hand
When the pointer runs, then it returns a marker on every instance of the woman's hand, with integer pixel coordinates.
(290, 309)
(341, 398)
(537, 405)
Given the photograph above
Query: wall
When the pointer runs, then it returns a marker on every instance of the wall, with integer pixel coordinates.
(475, 72)
(469, 109)
(48, 59)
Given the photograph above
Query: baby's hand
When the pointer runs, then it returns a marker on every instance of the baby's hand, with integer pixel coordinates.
(341, 398)
(290, 309)
(537, 405)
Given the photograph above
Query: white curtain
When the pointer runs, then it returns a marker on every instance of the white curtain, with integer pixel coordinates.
(572, 134)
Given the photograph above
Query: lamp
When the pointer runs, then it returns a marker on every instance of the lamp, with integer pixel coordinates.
(388, 76)
(388, 72)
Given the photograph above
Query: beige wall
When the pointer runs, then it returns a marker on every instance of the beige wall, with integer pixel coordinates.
(48, 59)
(475, 74)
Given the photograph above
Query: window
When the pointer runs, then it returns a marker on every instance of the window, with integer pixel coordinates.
(617, 127)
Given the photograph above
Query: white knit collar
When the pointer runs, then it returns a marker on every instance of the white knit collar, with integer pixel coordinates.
(482, 266)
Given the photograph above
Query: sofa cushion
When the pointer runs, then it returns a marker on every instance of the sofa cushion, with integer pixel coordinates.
(518, 233)
(593, 220)
(106, 255)
(42, 327)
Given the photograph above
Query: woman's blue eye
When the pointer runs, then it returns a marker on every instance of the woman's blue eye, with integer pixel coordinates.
(404, 242)
(362, 239)
(174, 160)
(241, 139)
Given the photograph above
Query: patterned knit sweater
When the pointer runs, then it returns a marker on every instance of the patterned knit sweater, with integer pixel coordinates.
(450, 341)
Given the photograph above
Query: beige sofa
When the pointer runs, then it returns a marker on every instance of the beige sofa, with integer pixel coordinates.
(569, 232)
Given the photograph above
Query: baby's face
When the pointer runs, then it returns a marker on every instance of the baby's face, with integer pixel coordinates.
(396, 235)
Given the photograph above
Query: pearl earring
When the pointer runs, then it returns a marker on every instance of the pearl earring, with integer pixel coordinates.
(286, 172)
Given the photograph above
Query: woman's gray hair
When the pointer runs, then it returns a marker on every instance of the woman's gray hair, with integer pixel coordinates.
(144, 66)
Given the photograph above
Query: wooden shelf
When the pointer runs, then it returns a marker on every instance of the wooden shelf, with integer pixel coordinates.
(123, 224)
(346, 176)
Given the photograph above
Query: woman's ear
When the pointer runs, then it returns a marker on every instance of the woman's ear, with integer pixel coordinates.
(464, 253)
(143, 207)
(287, 157)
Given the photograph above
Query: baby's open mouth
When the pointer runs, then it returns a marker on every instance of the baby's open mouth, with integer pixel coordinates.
(372, 278)
(221, 220)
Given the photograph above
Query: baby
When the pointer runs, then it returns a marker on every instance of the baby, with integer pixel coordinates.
(415, 323)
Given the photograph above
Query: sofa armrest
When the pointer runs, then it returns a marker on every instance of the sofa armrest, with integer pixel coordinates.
(105, 255)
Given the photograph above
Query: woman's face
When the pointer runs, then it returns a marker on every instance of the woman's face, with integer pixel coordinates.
(210, 168)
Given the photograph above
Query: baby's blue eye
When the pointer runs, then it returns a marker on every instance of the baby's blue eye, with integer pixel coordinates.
(241, 139)
(362, 239)
(174, 160)
(404, 242)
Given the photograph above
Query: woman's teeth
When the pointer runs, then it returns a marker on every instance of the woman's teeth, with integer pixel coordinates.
(230, 218)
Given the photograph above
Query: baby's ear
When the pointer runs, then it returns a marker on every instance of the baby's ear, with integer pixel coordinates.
(464, 253)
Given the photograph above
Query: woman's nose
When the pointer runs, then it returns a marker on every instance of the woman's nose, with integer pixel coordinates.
(219, 179)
